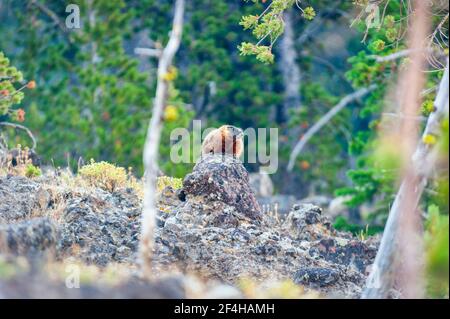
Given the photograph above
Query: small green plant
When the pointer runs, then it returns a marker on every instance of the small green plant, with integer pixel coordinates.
(32, 171)
(104, 175)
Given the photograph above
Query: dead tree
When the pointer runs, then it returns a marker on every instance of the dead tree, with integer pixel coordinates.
(399, 258)
(151, 147)
(381, 279)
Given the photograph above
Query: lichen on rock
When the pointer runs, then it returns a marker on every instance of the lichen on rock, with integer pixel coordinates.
(223, 178)
(212, 227)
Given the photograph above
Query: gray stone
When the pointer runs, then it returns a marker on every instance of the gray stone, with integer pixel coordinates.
(316, 277)
(224, 179)
(19, 197)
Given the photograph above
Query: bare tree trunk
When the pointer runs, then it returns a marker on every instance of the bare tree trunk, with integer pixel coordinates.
(289, 68)
(381, 279)
(150, 156)
(400, 253)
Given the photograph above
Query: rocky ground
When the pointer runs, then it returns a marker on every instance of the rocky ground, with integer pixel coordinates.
(212, 240)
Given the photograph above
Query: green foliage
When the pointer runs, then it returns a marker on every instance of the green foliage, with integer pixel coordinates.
(106, 102)
(374, 178)
(102, 109)
(104, 175)
(437, 248)
(342, 223)
(32, 171)
(268, 26)
(9, 95)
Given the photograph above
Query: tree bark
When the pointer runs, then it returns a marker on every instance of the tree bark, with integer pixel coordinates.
(289, 68)
(382, 276)
(150, 156)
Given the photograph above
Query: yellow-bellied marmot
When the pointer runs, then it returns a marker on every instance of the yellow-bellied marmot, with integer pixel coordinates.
(227, 139)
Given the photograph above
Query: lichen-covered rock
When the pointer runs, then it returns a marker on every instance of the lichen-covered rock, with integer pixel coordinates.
(306, 222)
(224, 179)
(216, 231)
(212, 238)
(28, 237)
(102, 228)
(345, 252)
(19, 196)
(316, 277)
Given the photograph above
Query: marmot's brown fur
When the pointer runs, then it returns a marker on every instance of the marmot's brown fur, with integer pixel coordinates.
(227, 139)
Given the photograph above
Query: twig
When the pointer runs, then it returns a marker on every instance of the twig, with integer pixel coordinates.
(324, 120)
(52, 16)
(152, 141)
(18, 126)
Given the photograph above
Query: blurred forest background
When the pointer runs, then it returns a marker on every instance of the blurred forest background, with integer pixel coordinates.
(93, 94)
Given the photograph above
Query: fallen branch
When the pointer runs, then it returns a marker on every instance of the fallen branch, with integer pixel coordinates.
(151, 147)
(324, 120)
(21, 127)
(381, 279)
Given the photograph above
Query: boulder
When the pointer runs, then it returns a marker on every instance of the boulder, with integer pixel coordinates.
(28, 237)
(19, 196)
(222, 178)
(101, 228)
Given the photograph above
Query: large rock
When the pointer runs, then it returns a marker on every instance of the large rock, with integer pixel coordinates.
(19, 196)
(28, 237)
(222, 178)
(101, 228)
(212, 238)
(306, 222)
(217, 231)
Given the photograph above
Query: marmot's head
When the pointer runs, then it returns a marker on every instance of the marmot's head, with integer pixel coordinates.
(227, 139)
(234, 131)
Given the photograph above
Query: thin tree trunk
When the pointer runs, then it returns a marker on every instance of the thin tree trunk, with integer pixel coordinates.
(382, 276)
(289, 68)
(423, 160)
(150, 156)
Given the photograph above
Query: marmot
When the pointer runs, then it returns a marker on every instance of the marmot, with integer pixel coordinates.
(227, 139)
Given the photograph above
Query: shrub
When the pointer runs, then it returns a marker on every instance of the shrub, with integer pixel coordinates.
(104, 175)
